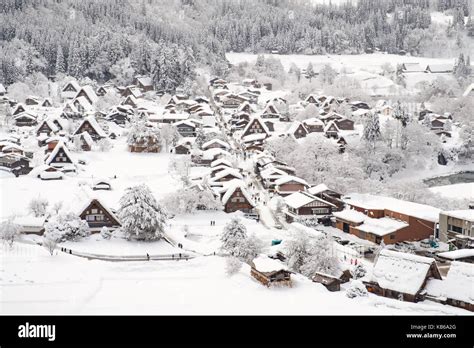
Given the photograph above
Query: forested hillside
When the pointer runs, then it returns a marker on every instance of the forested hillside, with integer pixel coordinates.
(112, 39)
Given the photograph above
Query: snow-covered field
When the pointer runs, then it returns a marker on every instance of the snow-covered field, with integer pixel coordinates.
(363, 62)
(74, 285)
(465, 190)
(365, 68)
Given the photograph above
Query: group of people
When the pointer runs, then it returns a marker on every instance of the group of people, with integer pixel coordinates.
(66, 250)
(213, 222)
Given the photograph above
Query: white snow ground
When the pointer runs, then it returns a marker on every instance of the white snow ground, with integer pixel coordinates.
(33, 282)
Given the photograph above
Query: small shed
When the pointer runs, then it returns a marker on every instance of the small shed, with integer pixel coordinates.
(330, 282)
(270, 272)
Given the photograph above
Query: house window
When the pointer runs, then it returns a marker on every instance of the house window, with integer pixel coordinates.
(319, 211)
(455, 229)
(392, 236)
(94, 211)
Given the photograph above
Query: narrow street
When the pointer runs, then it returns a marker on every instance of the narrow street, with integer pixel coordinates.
(259, 193)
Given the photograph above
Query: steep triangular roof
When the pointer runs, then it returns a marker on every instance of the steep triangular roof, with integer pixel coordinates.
(60, 145)
(93, 123)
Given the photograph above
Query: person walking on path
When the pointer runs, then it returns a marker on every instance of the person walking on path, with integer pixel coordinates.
(148, 256)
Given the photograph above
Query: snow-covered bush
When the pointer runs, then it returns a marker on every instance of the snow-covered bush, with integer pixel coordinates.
(189, 200)
(141, 216)
(232, 265)
(50, 245)
(105, 233)
(296, 251)
(359, 271)
(38, 206)
(9, 232)
(66, 227)
(356, 289)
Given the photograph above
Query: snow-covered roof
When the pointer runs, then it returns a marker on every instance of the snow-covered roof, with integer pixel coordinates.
(440, 67)
(313, 121)
(289, 178)
(467, 214)
(265, 264)
(458, 285)
(25, 114)
(234, 185)
(318, 189)
(457, 254)
(185, 123)
(73, 84)
(350, 215)
(93, 122)
(71, 106)
(382, 226)
(30, 221)
(221, 161)
(212, 153)
(260, 121)
(145, 80)
(214, 141)
(294, 126)
(84, 103)
(2, 89)
(87, 138)
(85, 205)
(227, 171)
(402, 272)
(89, 91)
(297, 200)
(368, 201)
(52, 155)
(331, 124)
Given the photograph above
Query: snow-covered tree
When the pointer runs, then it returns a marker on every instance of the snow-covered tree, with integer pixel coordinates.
(66, 227)
(170, 135)
(297, 251)
(180, 168)
(9, 232)
(308, 112)
(309, 73)
(233, 237)
(141, 216)
(356, 289)
(50, 245)
(372, 130)
(327, 75)
(105, 232)
(38, 206)
(250, 249)
(232, 265)
(57, 207)
(322, 257)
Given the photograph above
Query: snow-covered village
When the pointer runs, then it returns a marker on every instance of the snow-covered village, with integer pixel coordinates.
(237, 157)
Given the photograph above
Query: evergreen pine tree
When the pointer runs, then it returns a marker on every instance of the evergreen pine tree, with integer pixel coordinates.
(372, 130)
(60, 67)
